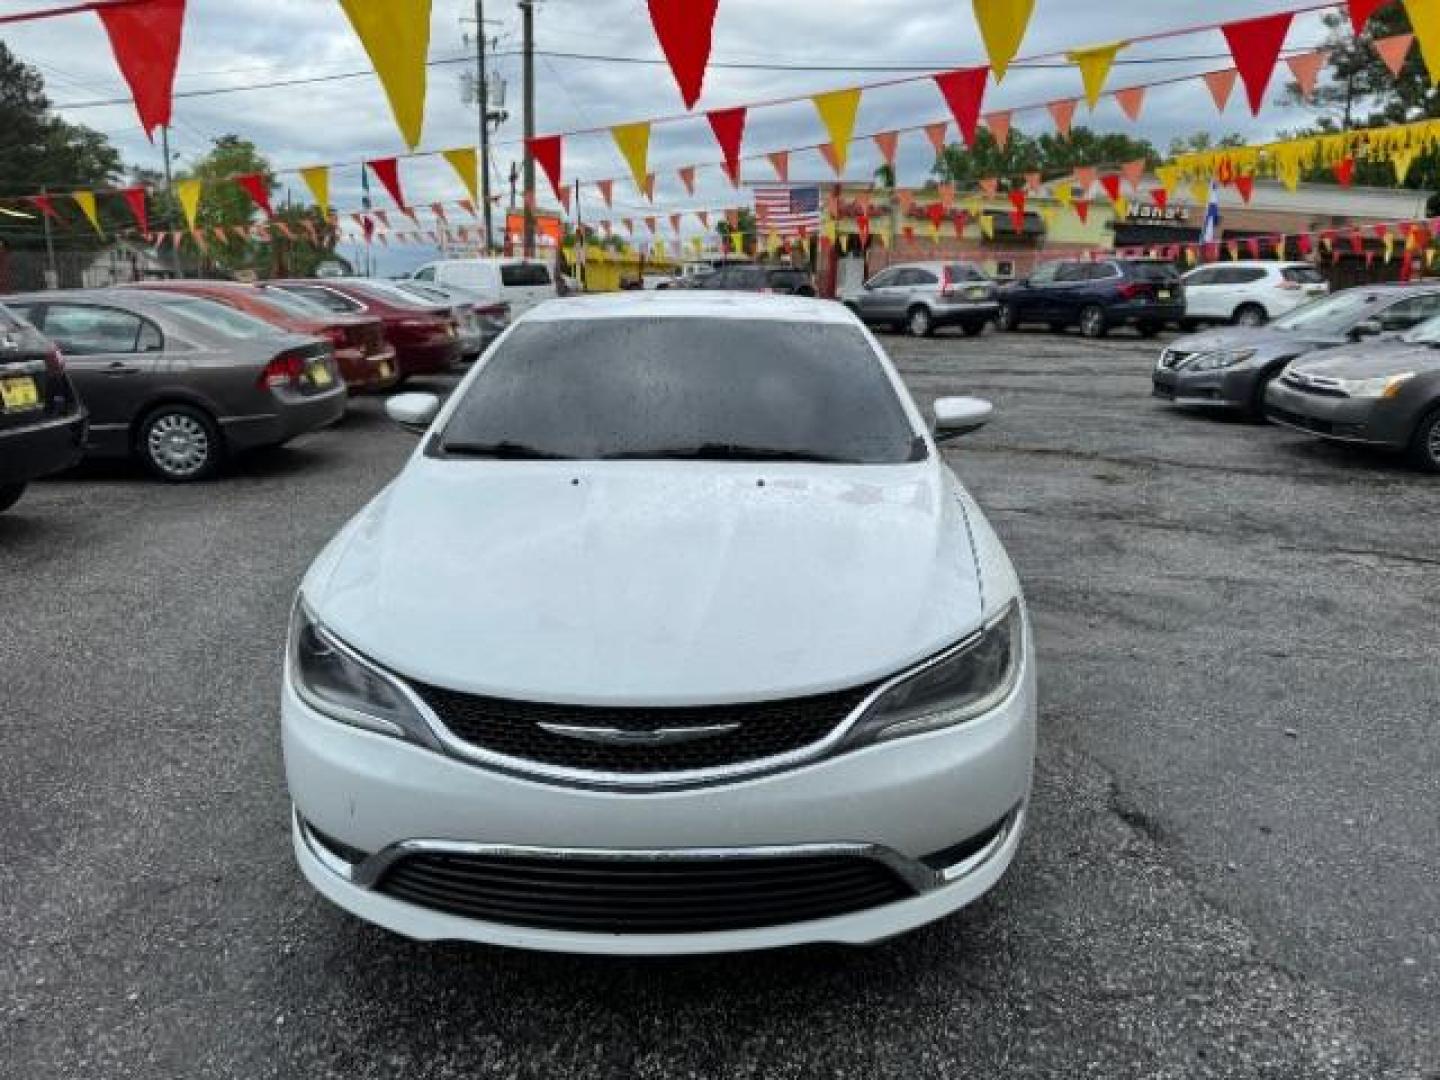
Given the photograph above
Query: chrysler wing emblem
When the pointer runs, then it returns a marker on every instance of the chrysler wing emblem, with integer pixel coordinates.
(622, 737)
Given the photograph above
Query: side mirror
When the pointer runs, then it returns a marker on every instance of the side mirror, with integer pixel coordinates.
(1368, 328)
(413, 412)
(956, 416)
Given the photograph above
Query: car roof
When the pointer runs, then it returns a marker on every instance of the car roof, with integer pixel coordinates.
(687, 304)
(120, 297)
(1250, 264)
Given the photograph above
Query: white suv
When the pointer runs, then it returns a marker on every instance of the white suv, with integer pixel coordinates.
(515, 282)
(1249, 293)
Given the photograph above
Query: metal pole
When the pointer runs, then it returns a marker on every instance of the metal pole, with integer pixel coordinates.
(527, 11)
(483, 93)
(54, 273)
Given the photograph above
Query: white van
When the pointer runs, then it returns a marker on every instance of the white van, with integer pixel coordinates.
(515, 282)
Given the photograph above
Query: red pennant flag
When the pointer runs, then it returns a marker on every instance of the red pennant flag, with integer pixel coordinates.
(1017, 213)
(862, 223)
(1303, 243)
(1357, 241)
(1245, 185)
(135, 199)
(1131, 101)
(1082, 209)
(1110, 182)
(686, 31)
(1345, 171)
(687, 177)
(1253, 245)
(780, 162)
(468, 207)
(1306, 69)
(146, 41)
(1063, 113)
(1255, 44)
(1361, 10)
(387, 171)
(937, 134)
(258, 189)
(960, 219)
(1381, 231)
(887, 142)
(675, 224)
(729, 128)
(44, 205)
(1160, 197)
(964, 92)
(548, 153)
(564, 196)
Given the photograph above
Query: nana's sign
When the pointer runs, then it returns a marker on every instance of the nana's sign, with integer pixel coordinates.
(1156, 215)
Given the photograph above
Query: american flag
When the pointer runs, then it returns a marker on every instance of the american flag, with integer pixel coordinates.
(787, 210)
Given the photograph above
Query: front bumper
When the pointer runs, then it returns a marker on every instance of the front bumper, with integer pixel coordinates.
(37, 450)
(1370, 421)
(908, 799)
(1221, 388)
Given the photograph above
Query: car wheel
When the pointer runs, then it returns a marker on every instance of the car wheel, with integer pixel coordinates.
(179, 443)
(972, 329)
(1425, 447)
(918, 322)
(1092, 322)
(10, 495)
(1005, 319)
(1262, 386)
(1147, 329)
(1251, 315)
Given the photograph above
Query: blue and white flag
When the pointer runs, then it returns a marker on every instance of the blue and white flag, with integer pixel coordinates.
(1210, 231)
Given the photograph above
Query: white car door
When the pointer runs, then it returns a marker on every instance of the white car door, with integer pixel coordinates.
(1202, 294)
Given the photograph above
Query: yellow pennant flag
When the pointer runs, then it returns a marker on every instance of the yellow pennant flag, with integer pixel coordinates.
(188, 194)
(634, 143)
(86, 201)
(1200, 192)
(837, 112)
(1095, 63)
(317, 179)
(1002, 25)
(987, 226)
(1425, 22)
(1190, 256)
(1389, 247)
(1122, 208)
(1402, 160)
(1169, 177)
(1064, 194)
(737, 241)
(466, 163)
(832, 231)
(396, 35)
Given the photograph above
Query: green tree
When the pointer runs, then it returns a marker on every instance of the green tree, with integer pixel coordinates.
(1200, 141)
(745, 226)
(1048, 154)
(40, 150)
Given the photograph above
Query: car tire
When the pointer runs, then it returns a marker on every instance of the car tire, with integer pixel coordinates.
(1092, 322)
(179, 443)
(1250, 315)
(973, 328)
(1147, 329)
(1005, 318)
(10, 495)
(1262, 386)
(1425, 446)
(919, 322)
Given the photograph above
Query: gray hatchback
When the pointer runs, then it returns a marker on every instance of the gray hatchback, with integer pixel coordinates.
(180, 382)
(921, 297)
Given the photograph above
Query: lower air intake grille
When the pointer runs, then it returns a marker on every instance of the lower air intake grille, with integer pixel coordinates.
(677, 896)
(760, 730)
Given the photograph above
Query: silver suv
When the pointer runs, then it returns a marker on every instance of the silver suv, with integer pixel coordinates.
(921, 297)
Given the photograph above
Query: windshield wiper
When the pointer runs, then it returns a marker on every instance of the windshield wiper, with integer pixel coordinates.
(719, 451)
(502, 451)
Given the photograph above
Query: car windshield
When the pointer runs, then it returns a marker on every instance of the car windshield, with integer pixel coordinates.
(219, 319)
(292, 305)
(1427, 333)
(684, 388)
(1332, 315)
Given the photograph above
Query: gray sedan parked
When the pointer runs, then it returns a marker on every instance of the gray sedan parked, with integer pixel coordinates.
(180, 382)
(1231, 368)
(1382, 393)
(923, 297)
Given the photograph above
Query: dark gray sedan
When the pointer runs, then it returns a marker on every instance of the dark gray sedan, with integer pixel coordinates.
(1230, 369)
(1383, 393)
(180, 382)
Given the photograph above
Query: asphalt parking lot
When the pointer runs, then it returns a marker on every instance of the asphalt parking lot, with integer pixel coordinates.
(1232, 859)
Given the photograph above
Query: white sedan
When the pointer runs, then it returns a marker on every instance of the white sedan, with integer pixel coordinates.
(675, 635)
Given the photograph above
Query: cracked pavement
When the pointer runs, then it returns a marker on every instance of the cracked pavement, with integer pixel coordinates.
(1229, 873)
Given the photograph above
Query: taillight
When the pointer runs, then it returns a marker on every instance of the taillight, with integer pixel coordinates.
(420, 324)
(54, 362)
(339, 336)
(947, 283)
(1289, 286)
(285, 370)
(1132, 289)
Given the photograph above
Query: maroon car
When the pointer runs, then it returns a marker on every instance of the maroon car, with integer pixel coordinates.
(426, 336)
(366, 360)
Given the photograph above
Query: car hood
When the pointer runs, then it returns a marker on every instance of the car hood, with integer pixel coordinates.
(1264, 339)
(659, 583)
(1373, 359)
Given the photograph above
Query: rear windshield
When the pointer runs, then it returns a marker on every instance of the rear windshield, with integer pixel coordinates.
(1303, 275)
(965, 272)
(681, 388)
(524, 274)
(1151, 271)
(392, 293)
(219, 319)
(291, 304)
(325, 298)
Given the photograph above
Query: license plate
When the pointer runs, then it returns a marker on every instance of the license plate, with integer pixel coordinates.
(1163, 294)
(385, 369)
(320, 375)
(976, 294)
(19, 392)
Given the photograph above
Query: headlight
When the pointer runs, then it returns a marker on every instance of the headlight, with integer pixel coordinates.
(1214, 361)
(335, 680)
(960, 686)
(1386, 386)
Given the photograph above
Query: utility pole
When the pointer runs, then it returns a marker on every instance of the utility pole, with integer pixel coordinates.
(482, 92)
(170, 190)
(527, 13)
(52, 274)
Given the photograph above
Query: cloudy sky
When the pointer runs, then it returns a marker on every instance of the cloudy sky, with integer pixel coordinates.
(233, 43)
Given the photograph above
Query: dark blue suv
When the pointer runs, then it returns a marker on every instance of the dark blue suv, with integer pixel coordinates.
(1096, 296)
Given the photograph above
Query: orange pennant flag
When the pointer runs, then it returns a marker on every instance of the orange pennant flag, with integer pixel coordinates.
(1395, 51)
(1306, 69)
(887, 142)
(1063, 113)
(687, 177)
(1131, 101)
(999, 125)
(780, 162)
(831, 154)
